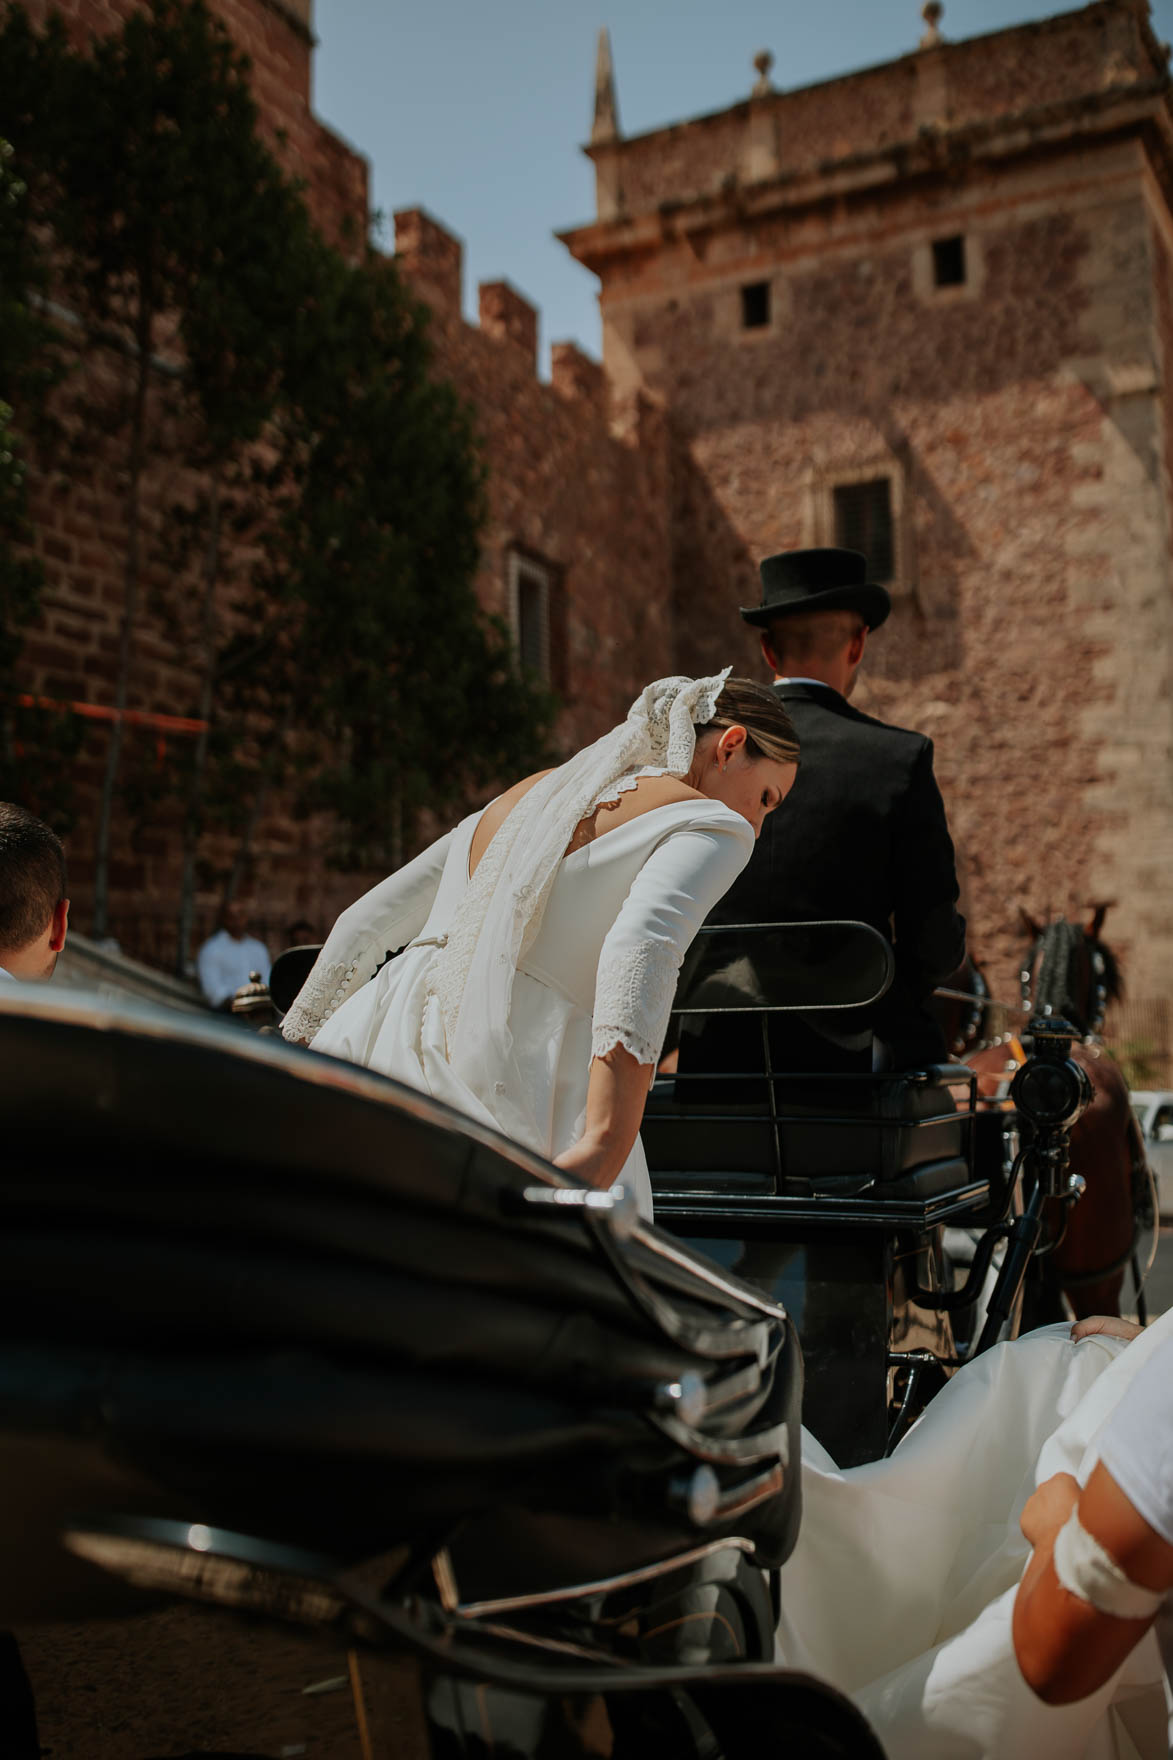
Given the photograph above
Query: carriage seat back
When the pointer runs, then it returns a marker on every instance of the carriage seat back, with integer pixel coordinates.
(810, 1132)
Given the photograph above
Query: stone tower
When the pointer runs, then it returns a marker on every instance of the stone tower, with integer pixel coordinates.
(927, 310)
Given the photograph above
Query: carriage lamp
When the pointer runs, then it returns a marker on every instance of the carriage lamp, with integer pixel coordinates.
(1050, 1090)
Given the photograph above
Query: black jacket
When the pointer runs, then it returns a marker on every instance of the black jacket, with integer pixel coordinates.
(862, 835)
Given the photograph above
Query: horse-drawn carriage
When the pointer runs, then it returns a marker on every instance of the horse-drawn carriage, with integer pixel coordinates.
(291, 1338)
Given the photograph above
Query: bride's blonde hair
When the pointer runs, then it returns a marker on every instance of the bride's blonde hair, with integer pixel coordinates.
(745, 703)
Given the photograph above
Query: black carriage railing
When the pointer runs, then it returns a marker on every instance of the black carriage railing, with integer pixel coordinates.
(784, 968)
(827, 1136)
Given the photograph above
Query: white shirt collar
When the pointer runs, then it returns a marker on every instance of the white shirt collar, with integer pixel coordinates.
(819, 681)
(5, 973)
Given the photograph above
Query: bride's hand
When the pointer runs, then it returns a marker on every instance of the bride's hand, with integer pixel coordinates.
(593, 1159)
(1108, 1324)
(1048, 1508)
(616, 1093)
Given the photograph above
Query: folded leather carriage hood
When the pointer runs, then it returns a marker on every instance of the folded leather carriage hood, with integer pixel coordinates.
(252, 1286)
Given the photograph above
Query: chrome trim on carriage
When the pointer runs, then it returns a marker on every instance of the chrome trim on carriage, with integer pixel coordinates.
(604, 1585)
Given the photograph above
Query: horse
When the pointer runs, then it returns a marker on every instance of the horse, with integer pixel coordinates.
(1068, 970)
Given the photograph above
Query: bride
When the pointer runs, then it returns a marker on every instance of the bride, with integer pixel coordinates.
(543, 936)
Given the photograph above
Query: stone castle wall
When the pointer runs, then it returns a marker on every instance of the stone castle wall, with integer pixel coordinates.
(1022, 419)
(575, 484)
(577, 481)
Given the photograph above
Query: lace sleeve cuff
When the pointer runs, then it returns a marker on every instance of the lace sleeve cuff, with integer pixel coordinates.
(326, 988)
(633, 996)
(605, 1039)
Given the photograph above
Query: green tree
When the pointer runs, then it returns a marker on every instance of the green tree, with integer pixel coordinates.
(36, 73)
(323, 558)
(165, 180)
(236, 355)
(20, 339)
(36, 745)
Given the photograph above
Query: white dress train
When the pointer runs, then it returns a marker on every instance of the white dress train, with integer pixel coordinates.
(901, 1588)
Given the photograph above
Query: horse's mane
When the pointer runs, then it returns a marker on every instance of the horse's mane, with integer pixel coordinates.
(1053, 961)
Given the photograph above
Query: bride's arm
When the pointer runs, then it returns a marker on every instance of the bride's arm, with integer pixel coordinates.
(639, 962)
(615, 1104)
(385, 918)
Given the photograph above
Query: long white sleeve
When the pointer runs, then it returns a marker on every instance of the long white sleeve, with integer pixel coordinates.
(669, 899)
(384, 919)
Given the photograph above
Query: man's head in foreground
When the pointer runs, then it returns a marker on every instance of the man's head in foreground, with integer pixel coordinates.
(34, 910)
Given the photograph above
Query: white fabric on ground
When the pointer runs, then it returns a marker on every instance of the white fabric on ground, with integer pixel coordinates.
(901, 1588)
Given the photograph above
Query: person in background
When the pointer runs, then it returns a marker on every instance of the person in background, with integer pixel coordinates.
(34, 909)
(300, 933)
(228, 958)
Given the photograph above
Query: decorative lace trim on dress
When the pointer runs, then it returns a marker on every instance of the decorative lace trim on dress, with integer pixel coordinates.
(633, 999)
(605, 1039)
(324, 991)
(626, 784)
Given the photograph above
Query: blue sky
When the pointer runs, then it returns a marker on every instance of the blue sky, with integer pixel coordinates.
(476, 109)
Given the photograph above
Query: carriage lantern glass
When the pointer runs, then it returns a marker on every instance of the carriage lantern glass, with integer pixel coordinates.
(1050, 1090)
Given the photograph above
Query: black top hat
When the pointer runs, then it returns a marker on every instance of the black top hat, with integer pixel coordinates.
(818, 580)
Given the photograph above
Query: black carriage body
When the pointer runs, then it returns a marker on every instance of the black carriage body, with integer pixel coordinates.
(288, 1338)
(826, 1190)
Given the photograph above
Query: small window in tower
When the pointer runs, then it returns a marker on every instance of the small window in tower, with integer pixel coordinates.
(529, 613)
(755, 305)
(863, 521)
(949, 261)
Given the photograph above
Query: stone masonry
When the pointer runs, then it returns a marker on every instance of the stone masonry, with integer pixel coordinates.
(1017, 412)
(1019, 415)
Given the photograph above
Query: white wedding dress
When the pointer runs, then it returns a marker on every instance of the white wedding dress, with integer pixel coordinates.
(600, 972)
(901, 1588)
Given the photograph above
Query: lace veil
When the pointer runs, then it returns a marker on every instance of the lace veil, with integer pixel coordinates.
(498, 918)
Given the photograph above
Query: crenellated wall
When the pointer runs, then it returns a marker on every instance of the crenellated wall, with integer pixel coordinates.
(577, 481)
